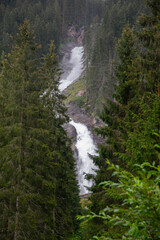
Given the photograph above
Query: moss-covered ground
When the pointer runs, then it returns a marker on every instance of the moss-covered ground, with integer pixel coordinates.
(73, 90)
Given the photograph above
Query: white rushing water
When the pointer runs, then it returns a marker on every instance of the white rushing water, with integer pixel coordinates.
(85, 144)
(76, 68)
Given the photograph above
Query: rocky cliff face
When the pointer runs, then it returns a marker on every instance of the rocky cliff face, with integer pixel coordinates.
(76, 35)
(80, 115)
(72, 134)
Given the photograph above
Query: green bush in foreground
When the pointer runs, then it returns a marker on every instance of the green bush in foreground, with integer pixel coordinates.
(139, 215)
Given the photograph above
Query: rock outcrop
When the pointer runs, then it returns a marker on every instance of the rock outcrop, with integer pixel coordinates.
(76, 35)
(80, 115)
(72, 134)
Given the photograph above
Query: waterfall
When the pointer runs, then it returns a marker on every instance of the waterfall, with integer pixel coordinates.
(85, 144)
(76, 68)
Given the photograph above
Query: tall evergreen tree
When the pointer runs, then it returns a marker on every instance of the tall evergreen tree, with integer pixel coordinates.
(35, 157)
(142, 113)
(150, 37)
(114, 131)
(101, 49)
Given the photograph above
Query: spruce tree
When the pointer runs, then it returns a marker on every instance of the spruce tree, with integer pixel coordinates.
(66, 189)
(36, 160)
(150, 37)
(114, 111)
(113, 129)
(142, 113)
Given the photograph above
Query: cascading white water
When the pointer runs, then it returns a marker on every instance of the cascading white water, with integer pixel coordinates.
(85, 144)
(76, 68)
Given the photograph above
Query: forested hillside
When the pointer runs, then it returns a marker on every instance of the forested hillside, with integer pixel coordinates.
(100, 44)
(39, 194)
(49, 19)
(125, 199)
(38, 188)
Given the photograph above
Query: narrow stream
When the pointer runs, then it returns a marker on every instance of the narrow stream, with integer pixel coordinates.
(85, 144)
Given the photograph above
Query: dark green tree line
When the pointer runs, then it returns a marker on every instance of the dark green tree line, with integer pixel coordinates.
(49, 19)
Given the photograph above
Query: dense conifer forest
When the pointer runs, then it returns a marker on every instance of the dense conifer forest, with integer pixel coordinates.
(48, 18)
(39, 196)
(38, 188)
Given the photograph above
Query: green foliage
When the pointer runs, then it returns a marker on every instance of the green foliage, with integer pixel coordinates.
(100, 41)
(139, 213)
(38, 188)
(49, 19)
(142, 126)
(149, 37)
(123, 69)
(113, 117)
(74, 90)
(131, 130)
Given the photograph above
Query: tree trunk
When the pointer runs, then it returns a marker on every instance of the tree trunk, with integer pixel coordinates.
(19, 163)
(17, 219)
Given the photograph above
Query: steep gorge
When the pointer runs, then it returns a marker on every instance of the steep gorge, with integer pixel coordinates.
(83, 143)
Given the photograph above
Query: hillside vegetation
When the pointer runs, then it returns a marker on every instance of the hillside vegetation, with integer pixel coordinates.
(125, 199)
(49, 19)
(100, 45)
(39, 196)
